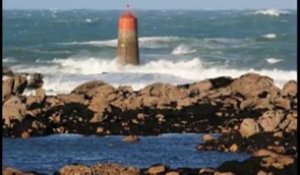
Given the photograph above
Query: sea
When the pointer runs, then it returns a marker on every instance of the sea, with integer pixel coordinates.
(49, 154)
(70, 47)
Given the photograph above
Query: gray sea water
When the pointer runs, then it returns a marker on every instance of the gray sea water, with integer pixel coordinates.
(49, 154)
(73, 46)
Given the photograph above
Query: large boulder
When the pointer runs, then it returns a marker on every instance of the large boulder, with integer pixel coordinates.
(270, 120)
(13, 109)
(88, 88)
(20, 83)
(290, 88)
(254, 85)
(249, 127)
(7, 87)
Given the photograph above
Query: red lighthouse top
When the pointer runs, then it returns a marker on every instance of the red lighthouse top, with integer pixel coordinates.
(127, 20)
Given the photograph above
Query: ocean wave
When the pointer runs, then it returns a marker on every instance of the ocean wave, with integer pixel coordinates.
(271, 12)
(65, 74)
(8, 60)
(270, 36)
(183, 49)
(273, 60)
(143, 41)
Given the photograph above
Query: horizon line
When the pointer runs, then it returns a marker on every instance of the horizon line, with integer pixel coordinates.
(208, 9)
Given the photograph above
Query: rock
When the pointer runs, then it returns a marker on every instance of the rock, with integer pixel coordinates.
(253, 85)
(35, 80)
(13, 109)
(31, 101)
(72, 98)
(261, 172)
(264, 153)
(75, 169)
(206, 170)
(270, 120)
(157, 169)
(13, 171)
(100, 130)
(278, 134)
(25, 135)
(130, 139)
(200, 87)
(87, 87)
(172, 173)
(221, 82)
(248, 128)
(283, 103)
(208, 138)
(113, 169)
(233, 148)
(20, 83)
(40, 93)
(223, 173)
(7, 88)
(290, 88)
(6, 71)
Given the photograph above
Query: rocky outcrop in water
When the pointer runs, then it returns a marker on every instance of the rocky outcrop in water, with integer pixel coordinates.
(250, 112)
(214, 105)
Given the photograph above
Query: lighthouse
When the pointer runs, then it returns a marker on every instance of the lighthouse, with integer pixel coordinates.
(128, 46)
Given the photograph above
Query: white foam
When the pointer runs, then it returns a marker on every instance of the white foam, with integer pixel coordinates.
(8, 60)
(270, 12)
(183, 49)
(270, 36)
(148, 42)
(88, 20)
(273, 60)
(65, 74)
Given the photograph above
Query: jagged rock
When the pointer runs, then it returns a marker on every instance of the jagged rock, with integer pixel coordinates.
(75, 169)
(20, 83)
(88, 88)
(283, 103)
(13, 109)
(7, 87)
(40, 93)
(34, 80)
(270, 120)
(290, 88)
(253, 85)
(249, 127)
(199, 87)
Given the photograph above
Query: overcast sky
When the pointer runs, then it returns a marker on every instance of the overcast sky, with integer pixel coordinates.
(149, 4)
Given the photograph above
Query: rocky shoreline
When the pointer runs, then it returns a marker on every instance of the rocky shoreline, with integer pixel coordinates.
(250, 112)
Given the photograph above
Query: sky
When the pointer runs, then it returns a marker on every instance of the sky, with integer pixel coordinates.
(149, 4)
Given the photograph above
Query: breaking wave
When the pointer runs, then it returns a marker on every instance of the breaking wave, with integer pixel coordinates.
(65, 74)
(271, 12)
(143, 41)
(183, 49)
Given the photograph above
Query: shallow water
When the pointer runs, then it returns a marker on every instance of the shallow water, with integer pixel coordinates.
(48, 154)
